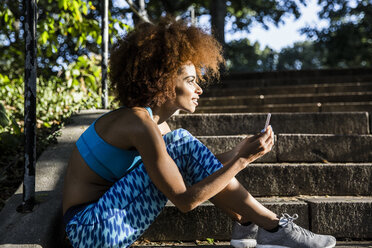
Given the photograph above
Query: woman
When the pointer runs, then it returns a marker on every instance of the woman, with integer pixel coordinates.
(128, 163)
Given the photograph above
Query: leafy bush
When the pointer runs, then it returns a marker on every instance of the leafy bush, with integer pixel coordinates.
(78, 87)
(58, 96)
(69, 74)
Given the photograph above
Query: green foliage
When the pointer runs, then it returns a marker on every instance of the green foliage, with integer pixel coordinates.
(347, 42)
(66, 30)
(210, 241)
(69, 72)
(241, 55)
(245, 13)
(57, 96)
(4, 120)
(299, 56)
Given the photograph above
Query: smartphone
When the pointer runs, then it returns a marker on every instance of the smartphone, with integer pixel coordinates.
(267, 122)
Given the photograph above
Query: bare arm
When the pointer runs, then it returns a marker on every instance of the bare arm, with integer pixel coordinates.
(227, 156)
(165, 175)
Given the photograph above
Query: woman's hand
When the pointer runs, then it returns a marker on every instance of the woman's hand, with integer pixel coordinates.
(254, 147)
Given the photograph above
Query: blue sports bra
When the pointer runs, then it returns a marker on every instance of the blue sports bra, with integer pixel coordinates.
(108, 161)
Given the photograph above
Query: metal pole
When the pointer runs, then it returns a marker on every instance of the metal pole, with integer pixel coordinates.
(192, 14)
(104, 52)
(30, 107)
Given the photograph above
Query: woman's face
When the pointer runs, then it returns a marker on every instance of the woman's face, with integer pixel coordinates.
(187, 90)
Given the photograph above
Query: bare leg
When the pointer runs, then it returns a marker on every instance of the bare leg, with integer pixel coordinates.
(236, 201)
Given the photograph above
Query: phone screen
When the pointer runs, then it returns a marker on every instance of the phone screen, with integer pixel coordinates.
(267, 122)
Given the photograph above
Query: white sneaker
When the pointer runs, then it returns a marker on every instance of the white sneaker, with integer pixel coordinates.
(243, 236)
(292, 235)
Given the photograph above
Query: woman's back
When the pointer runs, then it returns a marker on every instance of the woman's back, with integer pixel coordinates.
(88, 174)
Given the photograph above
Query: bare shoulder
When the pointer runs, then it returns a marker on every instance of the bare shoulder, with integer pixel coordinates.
(145, 135)
(140, 120)
(141, 126)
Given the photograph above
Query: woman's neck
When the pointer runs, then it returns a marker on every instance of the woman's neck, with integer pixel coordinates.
(162, 113)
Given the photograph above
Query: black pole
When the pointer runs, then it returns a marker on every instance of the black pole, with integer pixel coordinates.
(104, 52)
(30, 107)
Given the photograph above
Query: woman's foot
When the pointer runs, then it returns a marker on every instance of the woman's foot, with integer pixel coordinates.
(243, 236)
(291, 235)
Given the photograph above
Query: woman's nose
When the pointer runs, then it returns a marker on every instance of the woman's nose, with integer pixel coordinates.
(198, 90)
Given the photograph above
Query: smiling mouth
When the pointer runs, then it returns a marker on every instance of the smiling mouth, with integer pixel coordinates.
(195, 101)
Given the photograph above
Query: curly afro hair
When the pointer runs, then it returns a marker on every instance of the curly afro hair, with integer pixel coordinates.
(145, 62)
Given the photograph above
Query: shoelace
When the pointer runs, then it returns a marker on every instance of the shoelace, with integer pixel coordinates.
(287, 219)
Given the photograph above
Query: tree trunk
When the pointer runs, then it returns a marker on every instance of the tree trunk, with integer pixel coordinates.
(218, 13)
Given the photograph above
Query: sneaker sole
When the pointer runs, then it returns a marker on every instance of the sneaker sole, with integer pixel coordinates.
(280, 246)
(243, 243)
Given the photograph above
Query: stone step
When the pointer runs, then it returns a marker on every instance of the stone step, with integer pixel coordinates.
(226, 244)
(343, 217)
(300, 77)
(286, 99)
(289, 179)
(245, 123)
(277, 82)
(207, 221)
(296, 107)
(219, 90)
(304, 147)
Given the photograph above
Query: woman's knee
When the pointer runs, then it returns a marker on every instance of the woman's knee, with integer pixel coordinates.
(181, 143)
(193, 158)
(177, 135)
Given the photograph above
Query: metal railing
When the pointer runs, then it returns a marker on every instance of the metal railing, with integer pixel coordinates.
(30, 107)
(104, 52)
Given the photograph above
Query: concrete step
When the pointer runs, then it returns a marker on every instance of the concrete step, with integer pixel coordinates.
(333, 148)
(286, 99)
(289, 179)
(295, 107)
(248, 123)
(304, 147)
(226, 244)
(219, 90)
(343, 217)
(245, 82)
(43, 226)
(329, 76)
(207, 221)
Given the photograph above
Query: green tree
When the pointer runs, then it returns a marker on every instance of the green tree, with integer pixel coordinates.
(242, 13)
(65, 30)
(68, 47)
(347, 42)
(241, 56)
(301, 55)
